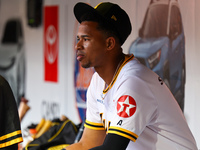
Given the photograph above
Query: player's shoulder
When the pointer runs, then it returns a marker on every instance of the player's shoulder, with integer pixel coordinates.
(136, 72)
(133, 67)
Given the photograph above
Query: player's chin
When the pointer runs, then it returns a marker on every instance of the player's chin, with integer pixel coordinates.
(85, 65)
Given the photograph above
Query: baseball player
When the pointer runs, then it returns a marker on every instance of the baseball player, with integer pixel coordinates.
(128, 105)
(10, 130)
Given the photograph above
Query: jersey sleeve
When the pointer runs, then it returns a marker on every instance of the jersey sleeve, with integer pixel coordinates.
(135, 108)
(93, 120)
(10, 130)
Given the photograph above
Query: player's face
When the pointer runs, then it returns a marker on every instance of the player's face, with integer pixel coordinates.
(91, 45)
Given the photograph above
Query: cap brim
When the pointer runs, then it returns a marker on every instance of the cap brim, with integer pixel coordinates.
(82, 8)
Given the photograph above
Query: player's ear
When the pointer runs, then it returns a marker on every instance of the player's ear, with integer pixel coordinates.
(110, 43)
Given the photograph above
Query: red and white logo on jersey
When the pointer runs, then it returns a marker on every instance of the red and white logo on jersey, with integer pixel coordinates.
(126, 106)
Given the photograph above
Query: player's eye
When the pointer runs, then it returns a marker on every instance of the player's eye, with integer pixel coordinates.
(86, 39)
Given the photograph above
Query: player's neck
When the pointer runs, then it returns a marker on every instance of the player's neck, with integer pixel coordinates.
(109, 71)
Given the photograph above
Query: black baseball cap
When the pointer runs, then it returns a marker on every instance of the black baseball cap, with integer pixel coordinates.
(111, 13)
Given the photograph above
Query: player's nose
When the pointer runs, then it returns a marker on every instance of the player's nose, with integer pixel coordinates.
(79, 45)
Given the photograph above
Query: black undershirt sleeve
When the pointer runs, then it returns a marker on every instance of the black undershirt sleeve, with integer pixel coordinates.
(113, 142)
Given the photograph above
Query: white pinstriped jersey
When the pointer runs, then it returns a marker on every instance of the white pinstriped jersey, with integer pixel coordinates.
(139, 106)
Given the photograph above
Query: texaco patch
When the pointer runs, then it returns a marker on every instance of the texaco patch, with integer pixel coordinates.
(126, 106)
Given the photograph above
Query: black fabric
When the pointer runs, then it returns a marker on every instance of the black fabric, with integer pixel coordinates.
(64, 133)
(12, 147)
(9, 118)
(113, 142)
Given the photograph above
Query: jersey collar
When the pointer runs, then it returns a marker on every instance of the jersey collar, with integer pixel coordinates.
(127, 59)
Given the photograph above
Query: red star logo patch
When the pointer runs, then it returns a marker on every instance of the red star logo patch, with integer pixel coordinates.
(126, 106)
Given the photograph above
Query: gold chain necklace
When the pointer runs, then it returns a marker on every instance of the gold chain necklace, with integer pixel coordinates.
(126, 59)
(108, 87)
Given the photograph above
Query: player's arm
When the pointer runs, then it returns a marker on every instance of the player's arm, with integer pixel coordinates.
(90, 138)
(113, 142)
